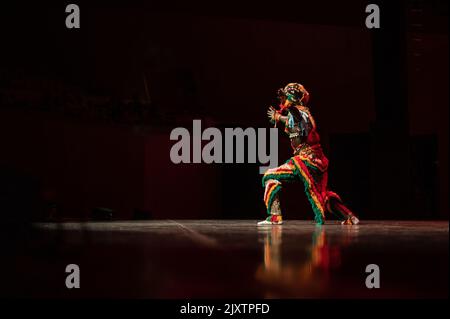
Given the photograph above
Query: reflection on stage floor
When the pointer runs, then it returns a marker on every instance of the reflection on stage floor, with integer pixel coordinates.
(231, 259)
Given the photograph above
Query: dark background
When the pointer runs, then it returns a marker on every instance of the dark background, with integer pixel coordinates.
(85, 114)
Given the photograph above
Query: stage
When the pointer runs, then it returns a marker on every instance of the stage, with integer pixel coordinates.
(232, 259)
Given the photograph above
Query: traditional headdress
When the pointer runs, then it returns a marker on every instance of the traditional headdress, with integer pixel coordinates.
(295, 93)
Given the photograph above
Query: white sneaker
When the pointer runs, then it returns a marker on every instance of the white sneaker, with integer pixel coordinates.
(351, 221)
(271, 220)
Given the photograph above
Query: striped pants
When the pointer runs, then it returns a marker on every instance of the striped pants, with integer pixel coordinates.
(311, 169)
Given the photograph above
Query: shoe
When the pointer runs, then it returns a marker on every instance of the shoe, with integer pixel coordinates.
(271, 220)
(353, 220)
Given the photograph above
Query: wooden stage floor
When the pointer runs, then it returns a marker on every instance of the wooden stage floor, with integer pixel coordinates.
(231, 259)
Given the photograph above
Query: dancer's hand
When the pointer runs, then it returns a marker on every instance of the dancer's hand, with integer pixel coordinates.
(271, 114)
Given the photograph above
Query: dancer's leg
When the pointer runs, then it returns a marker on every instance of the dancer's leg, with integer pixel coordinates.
(272, 181)
(336, 206)
(313, 194)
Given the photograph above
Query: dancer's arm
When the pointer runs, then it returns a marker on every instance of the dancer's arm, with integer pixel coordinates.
(275, 116)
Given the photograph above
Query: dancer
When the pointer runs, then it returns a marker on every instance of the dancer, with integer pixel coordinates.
(308, 163)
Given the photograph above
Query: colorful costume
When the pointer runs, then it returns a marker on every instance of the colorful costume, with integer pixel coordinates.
(308, 164)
